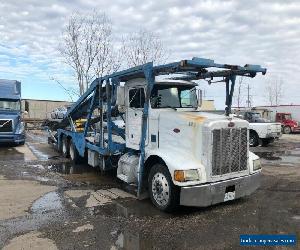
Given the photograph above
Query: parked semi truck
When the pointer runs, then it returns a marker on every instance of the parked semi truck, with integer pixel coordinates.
(168, 149)
(11, 125)
(261, 131)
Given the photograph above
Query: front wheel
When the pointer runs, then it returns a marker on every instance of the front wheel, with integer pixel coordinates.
(287, 130)
(253, 139)
(163, 193)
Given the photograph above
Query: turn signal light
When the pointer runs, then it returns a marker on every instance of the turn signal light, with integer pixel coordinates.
(179, 175)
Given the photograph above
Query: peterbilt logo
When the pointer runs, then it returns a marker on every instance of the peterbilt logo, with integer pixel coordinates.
(231, 124)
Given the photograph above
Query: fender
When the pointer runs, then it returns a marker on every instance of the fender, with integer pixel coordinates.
(178, 160)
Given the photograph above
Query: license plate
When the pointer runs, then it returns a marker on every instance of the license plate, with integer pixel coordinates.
(229, 193)
(229, 196)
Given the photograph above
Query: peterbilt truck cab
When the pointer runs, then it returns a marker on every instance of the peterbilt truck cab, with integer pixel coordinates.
(197, 158)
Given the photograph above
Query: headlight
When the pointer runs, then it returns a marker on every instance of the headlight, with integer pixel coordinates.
(186, 175)
(256, 165)
(20, 129)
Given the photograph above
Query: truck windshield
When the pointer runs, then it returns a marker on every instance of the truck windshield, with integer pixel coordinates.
(256, 115)
(170, 96)
(10, 104)
(288, 117)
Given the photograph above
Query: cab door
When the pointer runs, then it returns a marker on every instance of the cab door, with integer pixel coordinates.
(136, 100)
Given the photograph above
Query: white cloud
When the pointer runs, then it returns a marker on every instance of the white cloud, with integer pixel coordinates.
(238, 32)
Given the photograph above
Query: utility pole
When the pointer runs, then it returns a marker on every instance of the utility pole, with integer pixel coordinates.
(248, 99)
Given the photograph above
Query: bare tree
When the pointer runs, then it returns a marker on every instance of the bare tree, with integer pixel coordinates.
(142, 47)
(274, 91)
(87, 47)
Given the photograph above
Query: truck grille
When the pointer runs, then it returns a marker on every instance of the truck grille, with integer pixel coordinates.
(6, 126)
(229, 152)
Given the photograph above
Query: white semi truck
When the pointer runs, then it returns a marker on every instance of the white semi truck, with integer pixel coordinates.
(168, 150)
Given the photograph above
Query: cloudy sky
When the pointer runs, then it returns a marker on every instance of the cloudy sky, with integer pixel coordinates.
(236, 32)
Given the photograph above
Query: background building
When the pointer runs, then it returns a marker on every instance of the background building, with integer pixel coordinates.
(40, 109)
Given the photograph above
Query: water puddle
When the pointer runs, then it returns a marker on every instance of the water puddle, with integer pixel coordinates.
(282, 157)
(67, 168)
(10, 153)
(84, 173)
(48, 202)
(129, 209)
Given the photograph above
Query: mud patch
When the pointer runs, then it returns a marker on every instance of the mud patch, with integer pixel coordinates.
(281, 157)
(16, 153)
(32, 240)
(16, 196)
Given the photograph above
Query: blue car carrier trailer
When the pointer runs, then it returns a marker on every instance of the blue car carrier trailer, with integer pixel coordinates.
(166, 147)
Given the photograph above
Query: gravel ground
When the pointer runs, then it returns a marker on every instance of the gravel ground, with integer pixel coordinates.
(51, 204)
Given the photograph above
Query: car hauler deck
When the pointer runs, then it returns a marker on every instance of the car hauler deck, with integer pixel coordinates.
(166, 148)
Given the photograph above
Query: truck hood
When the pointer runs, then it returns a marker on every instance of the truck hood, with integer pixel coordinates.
(185, 139)
(198, 117)
(185, 131)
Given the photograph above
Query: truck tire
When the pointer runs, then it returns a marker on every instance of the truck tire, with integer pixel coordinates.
(74, 155)
(163, 193)
(65, 147)
(253, 139)
(287, 130)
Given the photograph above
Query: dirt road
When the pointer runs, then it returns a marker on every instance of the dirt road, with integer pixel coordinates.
(46, 203)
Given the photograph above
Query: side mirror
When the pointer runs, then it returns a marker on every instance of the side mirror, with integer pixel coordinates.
(121, 98)
(199, 97)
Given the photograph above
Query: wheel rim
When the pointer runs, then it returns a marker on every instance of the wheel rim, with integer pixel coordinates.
(160, 189)
(251, 140)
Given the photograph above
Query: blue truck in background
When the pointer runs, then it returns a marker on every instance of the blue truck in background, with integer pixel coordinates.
(11, 125)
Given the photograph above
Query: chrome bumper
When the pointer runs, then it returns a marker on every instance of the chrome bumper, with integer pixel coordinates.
(213, 193)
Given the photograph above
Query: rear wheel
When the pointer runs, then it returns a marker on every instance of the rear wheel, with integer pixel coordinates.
(253, 139)
(287, 130)
(65, 147)
(163, 193)
(74, 155)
